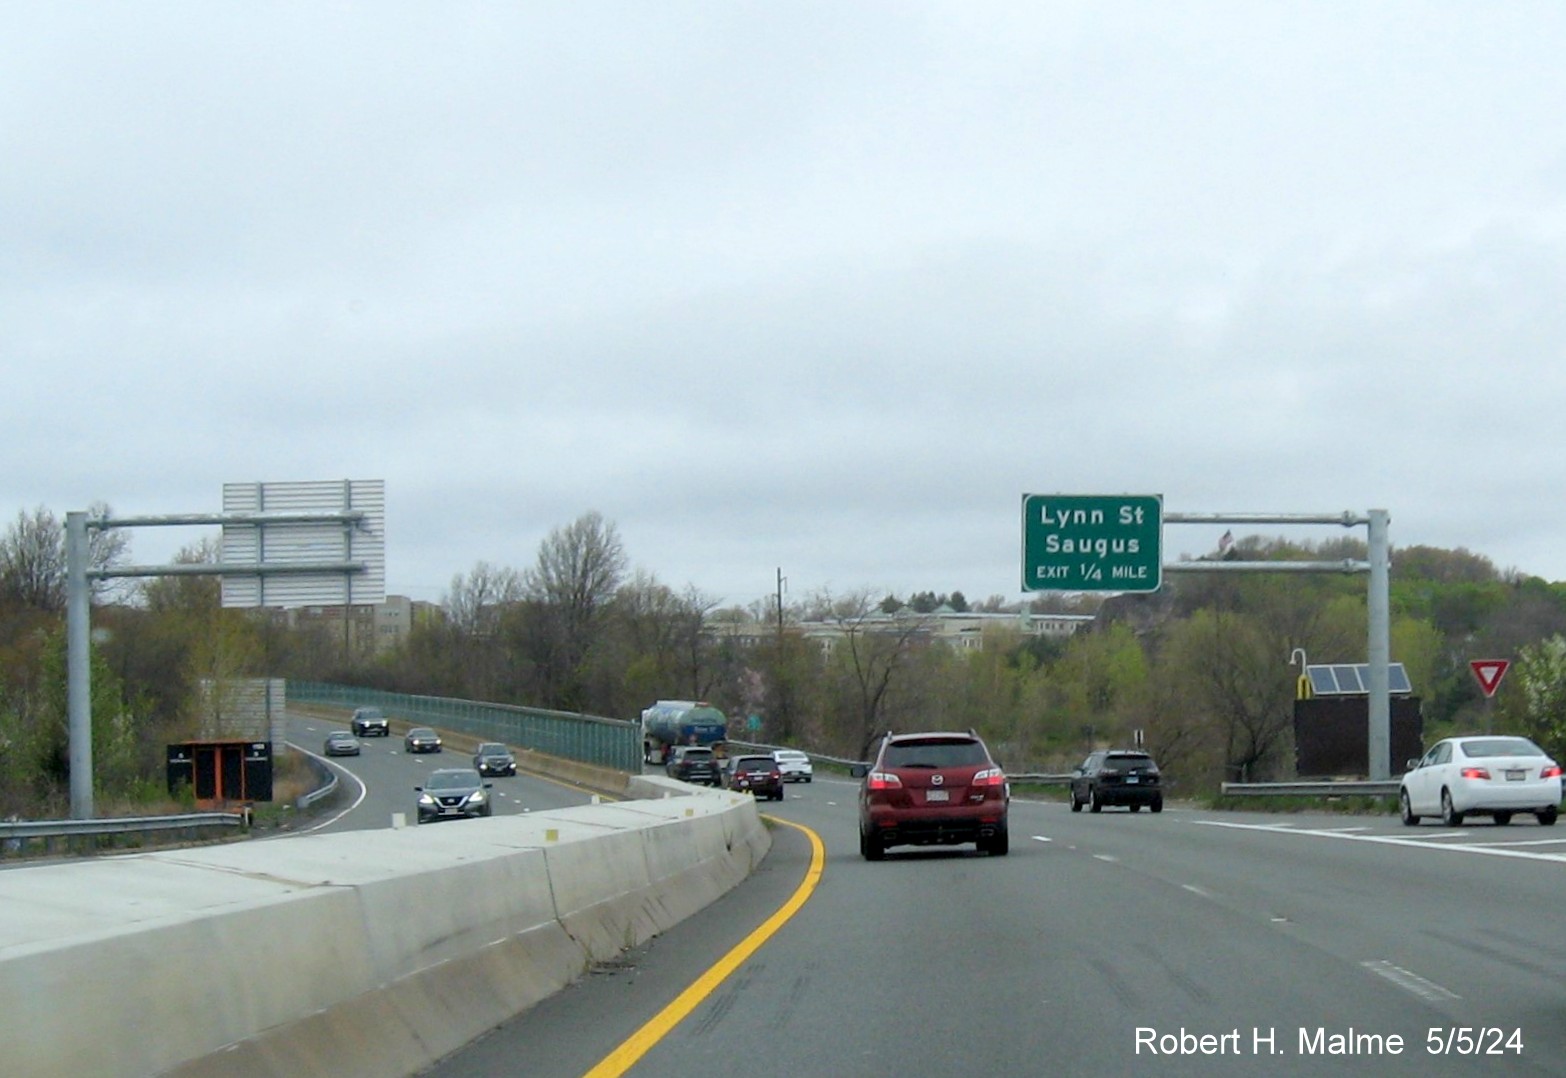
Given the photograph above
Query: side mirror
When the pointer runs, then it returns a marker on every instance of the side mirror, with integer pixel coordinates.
(489, 786)
(1413, 765)
(418, 789)
(859, 771)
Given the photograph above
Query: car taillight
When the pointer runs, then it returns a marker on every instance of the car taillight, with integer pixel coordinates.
(883, 780)
(775, 773)
(990, 776)
(1475, 773)
(1551, 772)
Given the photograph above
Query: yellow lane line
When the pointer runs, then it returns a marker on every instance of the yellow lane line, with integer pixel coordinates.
(641, 1042)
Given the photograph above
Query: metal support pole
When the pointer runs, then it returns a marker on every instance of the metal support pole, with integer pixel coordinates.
(1379, 648)
(78, 665)
(1378, 565)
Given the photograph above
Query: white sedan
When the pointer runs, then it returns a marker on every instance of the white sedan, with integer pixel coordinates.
(794, 765)
(1489, 775)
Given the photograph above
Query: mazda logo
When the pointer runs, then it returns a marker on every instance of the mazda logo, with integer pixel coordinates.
(936, 780)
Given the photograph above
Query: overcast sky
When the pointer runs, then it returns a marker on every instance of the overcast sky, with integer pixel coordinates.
(818, 287)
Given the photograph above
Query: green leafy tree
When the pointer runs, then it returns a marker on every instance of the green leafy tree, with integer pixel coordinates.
(793, 703)
(1101, 680)
(1541, 675)
(114, 756)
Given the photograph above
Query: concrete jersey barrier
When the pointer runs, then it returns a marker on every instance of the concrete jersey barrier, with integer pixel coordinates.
(367, 953)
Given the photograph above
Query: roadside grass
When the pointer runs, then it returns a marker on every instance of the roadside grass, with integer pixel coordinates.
(1344, 805)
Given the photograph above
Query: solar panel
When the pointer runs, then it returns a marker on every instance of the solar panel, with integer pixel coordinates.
(1353, 679)
(1322, 681)
(1349, 680)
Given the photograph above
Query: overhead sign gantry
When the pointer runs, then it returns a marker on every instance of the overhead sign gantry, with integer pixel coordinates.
(1113, 542)
(311, 540)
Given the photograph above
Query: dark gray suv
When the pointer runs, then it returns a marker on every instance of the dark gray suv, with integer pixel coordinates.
(493, 758)
(1117, 777)
(695, 763)
(370, 722)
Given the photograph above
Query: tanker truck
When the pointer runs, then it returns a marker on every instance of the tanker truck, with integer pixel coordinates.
(680, 722)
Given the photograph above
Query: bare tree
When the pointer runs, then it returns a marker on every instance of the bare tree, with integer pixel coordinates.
(187, 594)
(106, 547)
(875, 650)
(1227, 668)
(695, 643)
(473, 639)
(32, 561)
(475, 602)
(579, 569)
(32, 557)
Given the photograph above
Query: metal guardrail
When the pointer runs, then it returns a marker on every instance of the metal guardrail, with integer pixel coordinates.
(1345, 788)
(328, 785)
(17, 835)
(1036, 778)
(1039, 779)
(735, 748)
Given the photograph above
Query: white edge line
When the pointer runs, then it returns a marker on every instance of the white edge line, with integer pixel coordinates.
(1412, 982)
(341, 771)
(1388, 840)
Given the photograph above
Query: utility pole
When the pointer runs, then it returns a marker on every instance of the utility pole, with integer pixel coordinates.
(781, 581)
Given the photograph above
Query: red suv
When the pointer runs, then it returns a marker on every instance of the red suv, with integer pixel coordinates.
(937, 789)
(757, 774)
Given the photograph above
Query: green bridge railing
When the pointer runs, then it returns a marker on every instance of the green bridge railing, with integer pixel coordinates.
(613, 743)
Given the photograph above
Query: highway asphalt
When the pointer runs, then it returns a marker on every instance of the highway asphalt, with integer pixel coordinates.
(1187, 942)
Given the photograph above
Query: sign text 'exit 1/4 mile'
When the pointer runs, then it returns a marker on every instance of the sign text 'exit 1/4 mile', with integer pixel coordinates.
(1092, 542)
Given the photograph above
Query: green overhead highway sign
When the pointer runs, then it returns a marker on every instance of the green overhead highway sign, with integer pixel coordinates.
(1092, 542)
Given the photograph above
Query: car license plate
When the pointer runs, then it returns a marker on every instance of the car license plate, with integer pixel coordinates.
(1516, 776)
(936, 795)
(1132, 780)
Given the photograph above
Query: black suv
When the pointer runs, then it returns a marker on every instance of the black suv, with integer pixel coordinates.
(370, 722)
(1117, 777)
(493, 758)
(932, 789)
(695, 763)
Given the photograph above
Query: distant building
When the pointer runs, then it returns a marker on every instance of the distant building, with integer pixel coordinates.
(963, 630)
(967, 629)
(377, 627)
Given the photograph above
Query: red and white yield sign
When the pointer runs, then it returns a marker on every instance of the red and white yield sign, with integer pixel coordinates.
(1489, 672)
